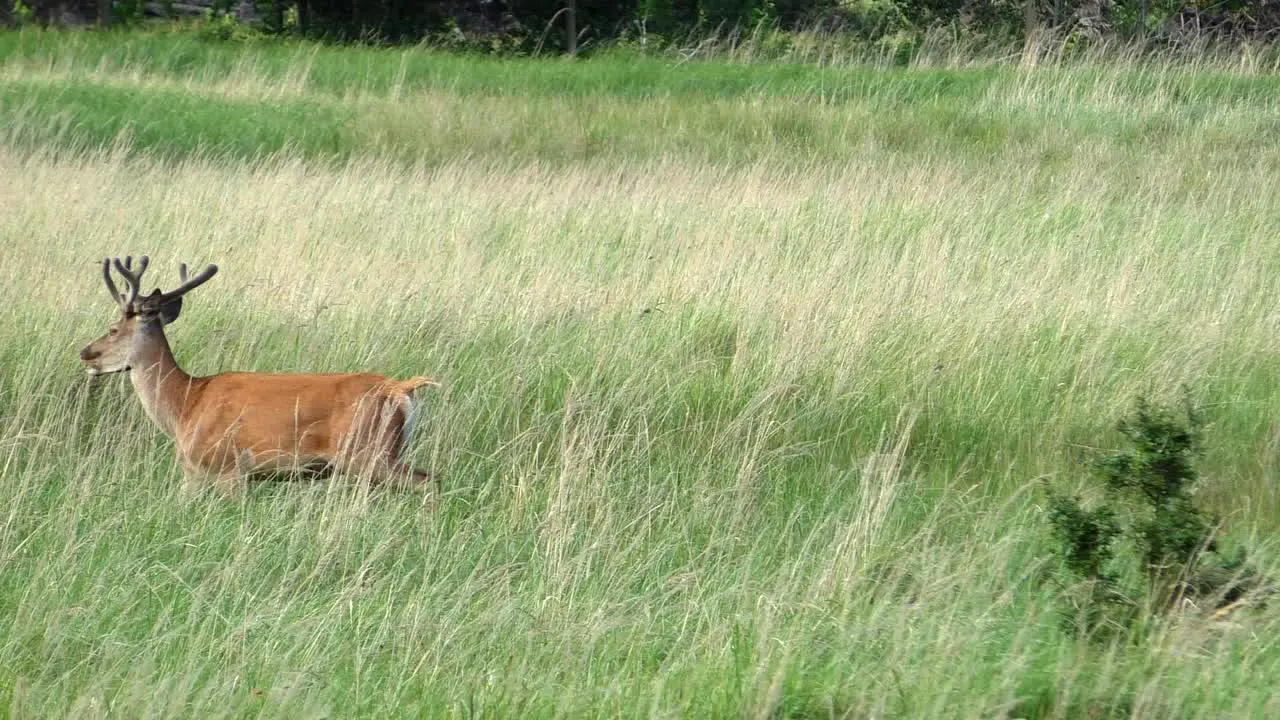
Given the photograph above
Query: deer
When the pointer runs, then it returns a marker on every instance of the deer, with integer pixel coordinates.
(234, 425)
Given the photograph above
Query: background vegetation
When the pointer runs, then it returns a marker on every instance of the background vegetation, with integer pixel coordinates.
(753, 377)
(687, 26)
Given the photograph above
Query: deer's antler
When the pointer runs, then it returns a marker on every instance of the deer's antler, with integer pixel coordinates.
(132, 279)
(189, 284)
(111, 285)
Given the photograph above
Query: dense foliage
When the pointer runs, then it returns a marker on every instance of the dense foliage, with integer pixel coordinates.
(521, 25)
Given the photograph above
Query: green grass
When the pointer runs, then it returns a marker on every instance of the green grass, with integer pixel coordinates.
(341, 72)
(751, 375)
(174, 95)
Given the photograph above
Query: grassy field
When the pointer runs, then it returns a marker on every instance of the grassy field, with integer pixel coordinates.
(752, 378)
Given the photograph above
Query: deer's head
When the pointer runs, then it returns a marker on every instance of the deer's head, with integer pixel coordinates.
(142, 317)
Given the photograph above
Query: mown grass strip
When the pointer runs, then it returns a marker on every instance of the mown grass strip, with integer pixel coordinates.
(168, 123)
(342, 71)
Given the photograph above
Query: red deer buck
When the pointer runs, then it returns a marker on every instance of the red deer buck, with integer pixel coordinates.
(227, 427)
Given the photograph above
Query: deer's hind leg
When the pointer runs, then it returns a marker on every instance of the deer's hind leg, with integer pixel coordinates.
(373, 446)
(402, 430)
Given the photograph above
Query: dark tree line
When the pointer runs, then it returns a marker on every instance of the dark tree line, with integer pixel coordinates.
(562, 24)
(563, 21)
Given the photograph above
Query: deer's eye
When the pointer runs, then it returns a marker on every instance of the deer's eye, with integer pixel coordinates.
(113, 331)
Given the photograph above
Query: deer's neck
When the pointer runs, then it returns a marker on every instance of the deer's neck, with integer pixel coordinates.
(162, 386)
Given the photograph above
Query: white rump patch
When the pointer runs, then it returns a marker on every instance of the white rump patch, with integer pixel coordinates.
(409, 407)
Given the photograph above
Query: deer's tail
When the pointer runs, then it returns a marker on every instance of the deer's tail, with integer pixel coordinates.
(414, 383)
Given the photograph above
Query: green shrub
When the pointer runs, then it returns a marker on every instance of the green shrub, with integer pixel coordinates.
(1146, 546)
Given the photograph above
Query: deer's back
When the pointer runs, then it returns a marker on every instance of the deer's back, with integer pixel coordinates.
(304, 415)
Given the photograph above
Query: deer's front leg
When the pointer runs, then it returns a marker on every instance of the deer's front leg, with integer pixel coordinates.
(196, 480)
(221, 465)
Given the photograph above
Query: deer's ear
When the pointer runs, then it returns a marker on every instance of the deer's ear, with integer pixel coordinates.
(156, 304)
(170, 310)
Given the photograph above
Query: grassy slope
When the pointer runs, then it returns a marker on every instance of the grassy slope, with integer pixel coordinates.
(744, 397)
